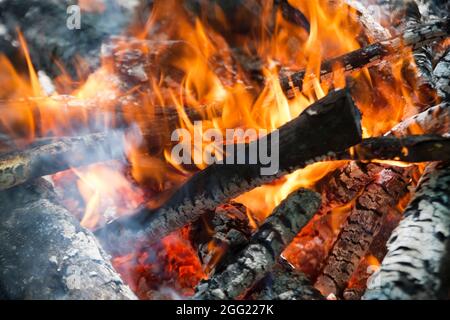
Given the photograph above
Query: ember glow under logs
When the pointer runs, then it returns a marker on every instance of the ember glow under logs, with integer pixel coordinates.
(239, 149)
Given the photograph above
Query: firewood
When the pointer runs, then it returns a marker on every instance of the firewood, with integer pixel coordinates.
(420, 148)
(371, 54)
(363, 223)
(330, 124)
(435, 120)
(21, 166)
(259, 257)
(416, 265)
(46, 254)
(219, 234)
(284, 283)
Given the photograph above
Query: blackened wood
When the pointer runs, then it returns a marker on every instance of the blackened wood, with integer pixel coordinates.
(293, 15)
(417, 263)
(361, 226)
(435, 120)
(419, 148)
(284, 283)
(329, 125)
(21, 166)
(219, 234)
(371, 54)
(345, 183)
(259, 257)
(46, 254)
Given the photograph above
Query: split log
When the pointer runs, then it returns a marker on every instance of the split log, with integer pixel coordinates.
(21, 166)
(330, 124)
(369, 55)
(361, 226)
(411, 149)
(259, 257)
(284, 283)
(435, 120)
(417, 263)
(46, 254)
(442, 76)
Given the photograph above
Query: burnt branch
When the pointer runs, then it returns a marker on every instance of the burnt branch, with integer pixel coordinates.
(329, 125)
(371, 54)
(46, 254)
(261, 254)
(417, 262)
(442, 75)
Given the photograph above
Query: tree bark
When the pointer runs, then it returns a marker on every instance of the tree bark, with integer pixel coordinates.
(46, 254)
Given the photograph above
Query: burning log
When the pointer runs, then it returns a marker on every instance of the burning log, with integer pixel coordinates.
(435, 120)
(21, 166)
(363, 223)
(369, 55)
(293, 15)
(218, 235)
(46, 254)
(408, 149)
(331, 124)
(416, 265)
(259, 257)
(284, 283)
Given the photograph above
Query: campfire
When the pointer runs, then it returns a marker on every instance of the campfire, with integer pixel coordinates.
(239, 149)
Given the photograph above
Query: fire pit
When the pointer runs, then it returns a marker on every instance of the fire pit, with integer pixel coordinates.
(212, 149)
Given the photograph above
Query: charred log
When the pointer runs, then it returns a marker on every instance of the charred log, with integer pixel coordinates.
(46, 254)
(417, 263)
(284, 283)
(331, 124)
(261, 254)
(408, 149)
(367, 56)
(362, 225)
(21, 166)
(219, 234)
